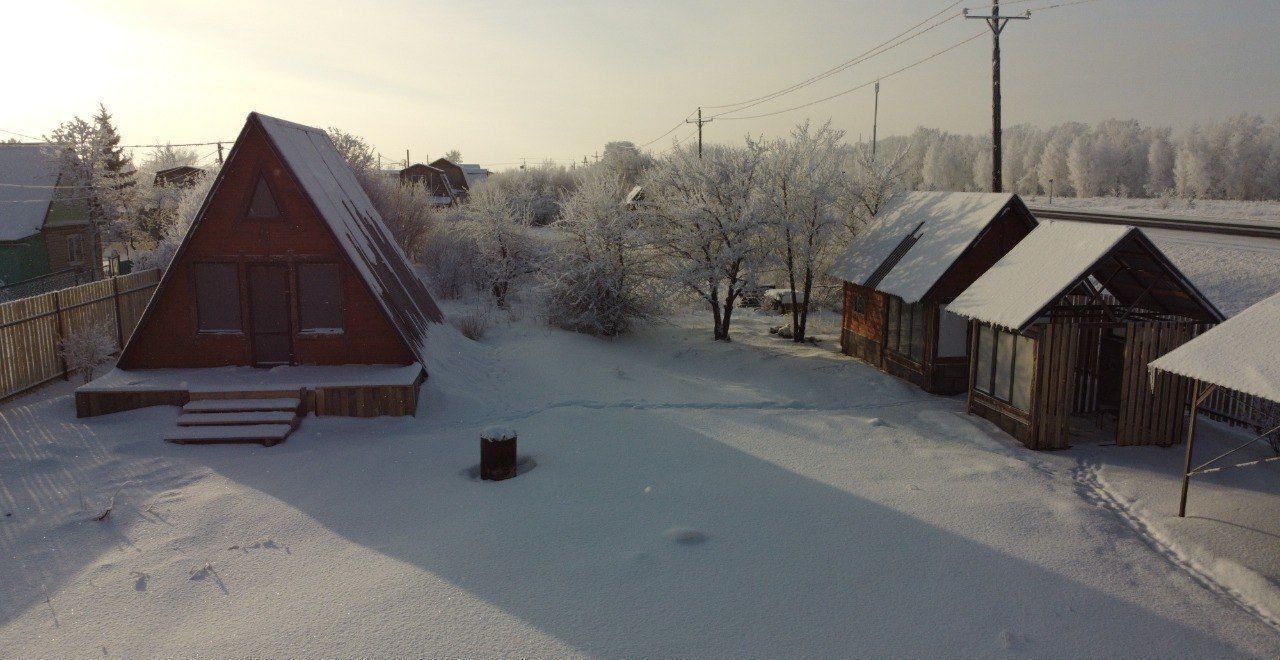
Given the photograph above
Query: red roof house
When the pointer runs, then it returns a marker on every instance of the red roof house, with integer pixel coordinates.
(287, 282)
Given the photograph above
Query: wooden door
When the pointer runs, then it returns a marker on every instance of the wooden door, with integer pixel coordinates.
(269, 312)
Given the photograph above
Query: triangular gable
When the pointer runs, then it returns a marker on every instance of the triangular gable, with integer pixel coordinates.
(327, 182)
(263, 203)
(936, 229)
(1058, 256)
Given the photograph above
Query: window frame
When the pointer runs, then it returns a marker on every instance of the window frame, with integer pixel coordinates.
(75, 249)
(1021, 349)
(317, 331)
(261, 176)
(858, 303)
(239, 294)
(905, 330)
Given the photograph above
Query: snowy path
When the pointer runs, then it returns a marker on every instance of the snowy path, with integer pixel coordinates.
(756, 499)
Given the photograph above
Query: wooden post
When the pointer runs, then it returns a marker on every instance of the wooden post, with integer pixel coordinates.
(1191, 443)
(497, 454)
(57, 314)
(115, 297)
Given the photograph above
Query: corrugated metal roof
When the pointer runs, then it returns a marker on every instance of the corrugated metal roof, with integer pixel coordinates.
(1241, 354)
(943, 224)
(332, 186)
(28, 174)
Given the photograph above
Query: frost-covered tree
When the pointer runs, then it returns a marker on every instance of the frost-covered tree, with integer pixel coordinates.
(94, 162)
(85, 348)
(1160, 161)
(453, 156)
(625, 161)
(500, 212)
(801, 190)
(1082, 165)
(870, 180)
(354, 149)
(155, 203)
(188, 203)
(705, 218)
(599, 280)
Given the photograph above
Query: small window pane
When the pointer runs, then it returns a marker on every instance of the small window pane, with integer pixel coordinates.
(892, 317)
(263, 205)
(1023, 372)
(917, 332)
(319, 298)
(217, 298)
(1004, 365)
(986, 353)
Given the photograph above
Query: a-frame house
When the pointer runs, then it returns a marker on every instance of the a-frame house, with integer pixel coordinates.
(287, 265)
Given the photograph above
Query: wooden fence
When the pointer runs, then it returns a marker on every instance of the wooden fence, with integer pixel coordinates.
(31, 329)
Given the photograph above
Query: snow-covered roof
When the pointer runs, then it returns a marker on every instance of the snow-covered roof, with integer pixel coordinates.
(327, 179)
(28, 176)
(1056, 256)
(1241, 354)
(916, 239)
(474, 173)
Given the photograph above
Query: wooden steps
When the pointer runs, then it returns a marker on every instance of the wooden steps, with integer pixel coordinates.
(215, 421)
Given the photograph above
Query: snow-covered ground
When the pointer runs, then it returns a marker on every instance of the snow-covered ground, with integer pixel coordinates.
(1205, 209)
(682, 498)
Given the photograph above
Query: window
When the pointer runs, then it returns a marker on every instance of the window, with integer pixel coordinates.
(320, 298)
(953, 334)
(263, 204)
(1005, 366)
(217, 298)
(905, 329)
(75, 249)
(859, 302)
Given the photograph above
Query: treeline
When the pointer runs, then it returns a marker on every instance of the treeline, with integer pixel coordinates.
(1237, 158)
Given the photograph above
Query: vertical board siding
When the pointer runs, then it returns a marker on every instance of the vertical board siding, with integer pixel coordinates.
(1153, 405)
(31, 329)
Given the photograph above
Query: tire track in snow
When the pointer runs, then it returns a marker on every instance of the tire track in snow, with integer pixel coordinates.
(1091, 489)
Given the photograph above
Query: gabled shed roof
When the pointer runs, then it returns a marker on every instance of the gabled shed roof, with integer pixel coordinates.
(1241, 354)
(327, 179)
(28, 180)
(1057, 256)
(341, 203)
(916, 239)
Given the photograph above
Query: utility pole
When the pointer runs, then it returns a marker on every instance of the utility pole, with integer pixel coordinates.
(875, 121)
(406, 157)
(219, 153)
(996, 22)
(699, 122)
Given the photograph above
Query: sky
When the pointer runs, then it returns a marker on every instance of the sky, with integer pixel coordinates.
(508, 80)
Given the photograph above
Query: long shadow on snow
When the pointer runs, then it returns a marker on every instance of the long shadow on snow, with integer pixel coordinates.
(791, 568)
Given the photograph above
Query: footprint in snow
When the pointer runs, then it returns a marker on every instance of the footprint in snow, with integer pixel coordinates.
(139, 580)
(685, 536)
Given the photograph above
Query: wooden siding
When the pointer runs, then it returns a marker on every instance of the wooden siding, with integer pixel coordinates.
(31, 328)
(169, 338)
(56, 244)
(364, 401)
(862, 335)
(1153, 406)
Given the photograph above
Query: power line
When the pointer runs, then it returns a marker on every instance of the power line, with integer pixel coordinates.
(865, 84)
(847, 64)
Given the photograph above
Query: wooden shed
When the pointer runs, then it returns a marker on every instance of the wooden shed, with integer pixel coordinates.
(287, 266)
(1064, 327)
(454, 175)
(433, 178)
(901, 272)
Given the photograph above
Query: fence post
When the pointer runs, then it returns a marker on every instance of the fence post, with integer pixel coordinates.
(115, 297)
(57, 313)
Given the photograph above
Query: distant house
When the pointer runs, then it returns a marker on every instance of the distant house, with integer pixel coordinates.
(901, 272)
(433, 178)
(454, 175)
(287, 266)
(474, 173)
(45, 226)
(182, 176)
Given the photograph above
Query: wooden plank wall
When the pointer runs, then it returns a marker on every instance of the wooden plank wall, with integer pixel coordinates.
(1153, 406)
(1055, 377)
(32, 328)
